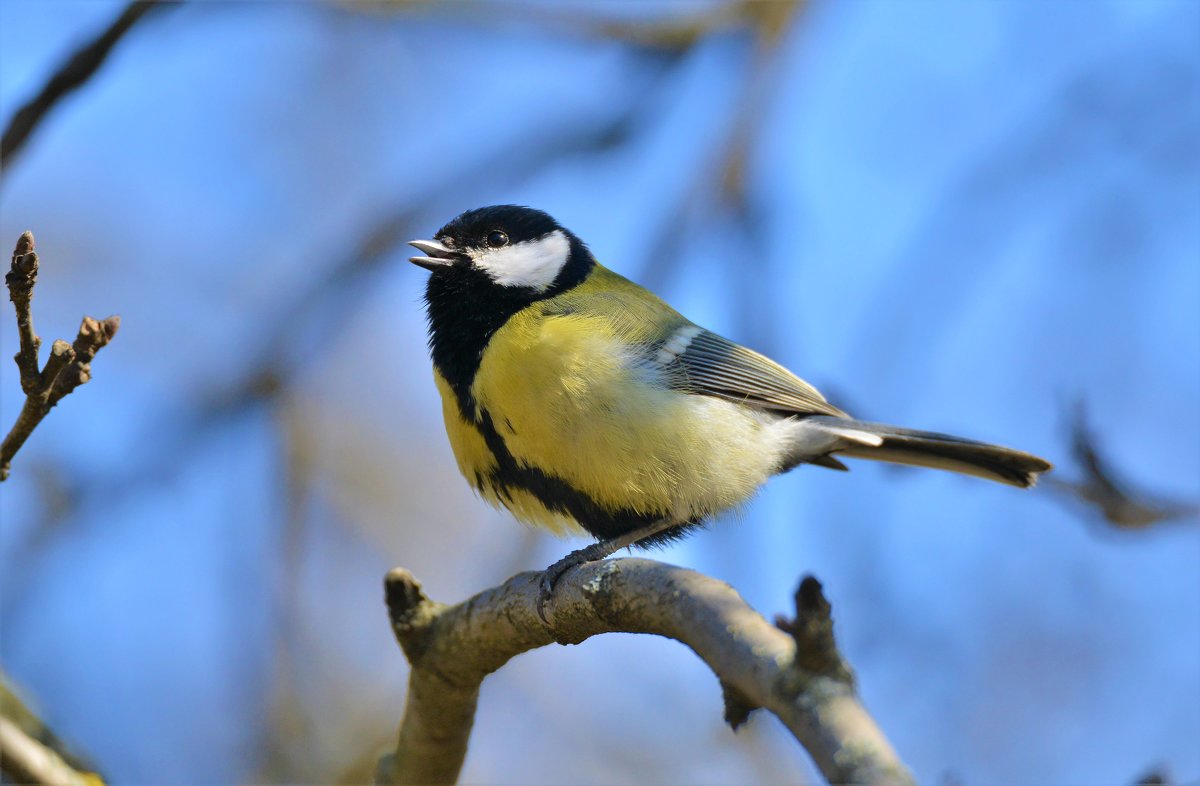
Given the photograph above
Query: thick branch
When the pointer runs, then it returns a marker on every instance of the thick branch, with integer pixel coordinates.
(73, 73)
(453, 648)
(69, 365)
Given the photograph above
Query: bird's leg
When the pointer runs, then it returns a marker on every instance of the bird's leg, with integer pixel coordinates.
(593, 553)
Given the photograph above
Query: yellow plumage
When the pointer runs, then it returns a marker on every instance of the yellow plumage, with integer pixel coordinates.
(569, 388)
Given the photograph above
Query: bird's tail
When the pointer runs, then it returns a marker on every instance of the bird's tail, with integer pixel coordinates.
(819, 436)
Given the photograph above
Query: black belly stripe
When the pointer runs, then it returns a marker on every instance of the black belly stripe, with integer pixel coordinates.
(561, 497)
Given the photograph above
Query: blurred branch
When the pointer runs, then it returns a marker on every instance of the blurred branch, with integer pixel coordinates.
(1103, 490)
(681, 32)
(78, 68)
(721, 182)
(673, 32)
(30, 753)
(792, 669)
(69, 365)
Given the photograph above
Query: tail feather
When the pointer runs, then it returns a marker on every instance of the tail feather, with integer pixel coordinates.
(881, 442)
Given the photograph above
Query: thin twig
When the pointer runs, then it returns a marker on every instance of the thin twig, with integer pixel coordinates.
(20, 280)
(798, 677)
(69, 365)
(70, 75)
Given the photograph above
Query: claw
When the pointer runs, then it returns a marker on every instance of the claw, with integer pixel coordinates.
(550, 577)
(592, 553)
(555, 572)
(545, 591)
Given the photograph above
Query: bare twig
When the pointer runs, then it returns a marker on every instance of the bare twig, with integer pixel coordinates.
(799, 677)
(20, 280)
(70, 75)
(69, 365)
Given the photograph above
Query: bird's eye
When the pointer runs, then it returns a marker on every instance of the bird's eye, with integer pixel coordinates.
(497, 239)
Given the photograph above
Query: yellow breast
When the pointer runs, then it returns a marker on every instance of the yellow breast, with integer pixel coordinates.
(477, 464)
(568, 394)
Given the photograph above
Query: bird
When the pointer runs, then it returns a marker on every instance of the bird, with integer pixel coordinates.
(583, 403)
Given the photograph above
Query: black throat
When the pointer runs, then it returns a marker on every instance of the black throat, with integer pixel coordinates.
(466, 307)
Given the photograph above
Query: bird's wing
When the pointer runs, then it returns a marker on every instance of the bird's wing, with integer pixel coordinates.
(693, 359)
(699, 361)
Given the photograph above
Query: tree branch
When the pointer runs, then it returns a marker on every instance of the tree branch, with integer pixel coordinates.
(25, 760)
(70, 75)
(1102, 489)
(31, 753)
(69, 365)
(793, 670)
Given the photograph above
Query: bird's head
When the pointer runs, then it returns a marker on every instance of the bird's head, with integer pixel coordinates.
(515, 248)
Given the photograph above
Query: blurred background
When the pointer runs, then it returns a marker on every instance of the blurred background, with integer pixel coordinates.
(981, 218)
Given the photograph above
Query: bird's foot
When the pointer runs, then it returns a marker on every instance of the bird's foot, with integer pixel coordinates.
(550, 576)
(593, 553)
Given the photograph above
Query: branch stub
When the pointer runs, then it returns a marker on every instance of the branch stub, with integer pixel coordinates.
(812, 630)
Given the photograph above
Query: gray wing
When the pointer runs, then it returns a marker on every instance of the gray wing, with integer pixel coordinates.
(710, 365)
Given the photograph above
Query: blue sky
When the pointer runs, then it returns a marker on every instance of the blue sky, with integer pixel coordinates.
(966, 217)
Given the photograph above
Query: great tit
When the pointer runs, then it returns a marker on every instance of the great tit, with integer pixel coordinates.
(578, 400)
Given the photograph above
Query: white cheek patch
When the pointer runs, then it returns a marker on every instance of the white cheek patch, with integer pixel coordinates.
(533, 263)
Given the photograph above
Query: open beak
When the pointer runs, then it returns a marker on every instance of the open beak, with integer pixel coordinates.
(437, 254)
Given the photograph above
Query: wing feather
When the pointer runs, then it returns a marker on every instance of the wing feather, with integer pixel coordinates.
(712, 365)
